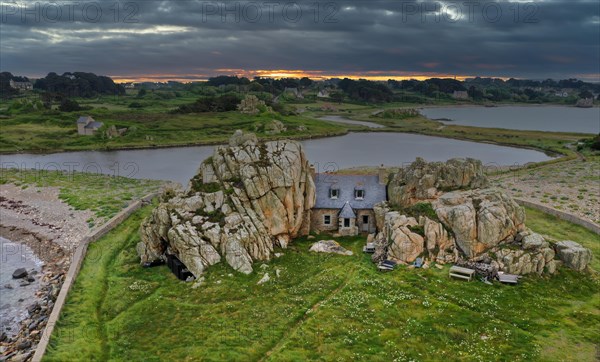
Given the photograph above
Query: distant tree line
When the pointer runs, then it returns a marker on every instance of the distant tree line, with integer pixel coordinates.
(260, 84)
(78, 84)
(365, 90)
(223, 103)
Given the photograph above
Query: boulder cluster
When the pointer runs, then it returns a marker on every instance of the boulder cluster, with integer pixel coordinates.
(246, 199)
(427, 181)
(251, 197)
(440, 212)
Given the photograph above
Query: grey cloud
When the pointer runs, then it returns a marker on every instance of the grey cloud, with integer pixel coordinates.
(176, 38)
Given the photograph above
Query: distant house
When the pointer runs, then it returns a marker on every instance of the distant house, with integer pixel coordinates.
(21, 85)
(87, 126)
(293, 91)
(345, 202)
(323, 94)
(460, 95)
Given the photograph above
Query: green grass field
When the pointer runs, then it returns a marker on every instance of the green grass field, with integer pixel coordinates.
(322, 307)
(31, 130)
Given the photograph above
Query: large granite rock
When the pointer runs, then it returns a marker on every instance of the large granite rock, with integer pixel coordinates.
(480, 219)
(405, 244)
(245, 199)
(403, 239)
(438, 241)
(427, 181)
(329, 247)
(573, 255)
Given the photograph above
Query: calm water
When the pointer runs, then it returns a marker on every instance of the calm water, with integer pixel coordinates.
(354, 149)
(546, 118)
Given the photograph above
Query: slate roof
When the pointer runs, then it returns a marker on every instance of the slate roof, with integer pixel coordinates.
(347, 212)
(94, 125)
(346, 184)
(85, 119)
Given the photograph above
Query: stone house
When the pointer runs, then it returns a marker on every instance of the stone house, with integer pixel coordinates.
(323, 94)
(87, 126)
(460, 95)
(344, 203)
(21, 85)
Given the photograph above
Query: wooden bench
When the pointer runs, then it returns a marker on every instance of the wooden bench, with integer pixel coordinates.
(508, 278)
(386, 265)
(461, 273)
(369, 248)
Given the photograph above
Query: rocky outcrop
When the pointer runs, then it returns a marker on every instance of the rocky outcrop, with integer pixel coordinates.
(329, 247)
(245, 199)
(252, 105)
(380, 209)
(274, 127)
(481, 226)
(427, 181)
(438, 241)
(527, 253)
(573, 255)
(403, 239)
(480, 219)
(404, 244)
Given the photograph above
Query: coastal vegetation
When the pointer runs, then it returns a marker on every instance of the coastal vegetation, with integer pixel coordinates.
(570, 186)
(324, 307)
(176, 114)
(104, 195)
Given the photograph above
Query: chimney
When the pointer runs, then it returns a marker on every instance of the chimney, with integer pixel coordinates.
(382, 175)
(313, 172)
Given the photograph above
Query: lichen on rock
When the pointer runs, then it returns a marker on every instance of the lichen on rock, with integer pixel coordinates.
(246, 199)
(423, 180)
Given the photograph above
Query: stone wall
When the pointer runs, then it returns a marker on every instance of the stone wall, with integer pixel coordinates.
(316, 220)
(75, 266)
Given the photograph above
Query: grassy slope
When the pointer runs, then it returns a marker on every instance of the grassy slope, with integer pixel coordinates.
(323, 307)
(104, 195)
(151, 126)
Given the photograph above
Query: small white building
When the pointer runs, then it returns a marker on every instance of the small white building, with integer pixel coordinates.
(460, 95)
(87, 126)
(21, 85)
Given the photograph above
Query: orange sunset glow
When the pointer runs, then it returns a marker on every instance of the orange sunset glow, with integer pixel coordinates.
(288, 73)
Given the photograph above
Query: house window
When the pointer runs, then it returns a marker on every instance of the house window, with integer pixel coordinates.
(326, 219)
(334, 193)
(346, 223)
(359, 194)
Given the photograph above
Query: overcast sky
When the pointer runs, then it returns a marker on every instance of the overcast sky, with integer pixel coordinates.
(196, 39)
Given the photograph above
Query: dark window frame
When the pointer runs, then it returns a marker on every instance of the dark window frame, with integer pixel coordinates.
(357, 192)
(334, 193)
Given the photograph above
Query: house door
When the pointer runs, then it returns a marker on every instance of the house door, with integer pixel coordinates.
(365, 223)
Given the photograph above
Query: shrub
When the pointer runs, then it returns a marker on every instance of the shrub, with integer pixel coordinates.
(69, 105)
(422, 209)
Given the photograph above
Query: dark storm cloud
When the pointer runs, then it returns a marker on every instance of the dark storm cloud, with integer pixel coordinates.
(198, 38)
